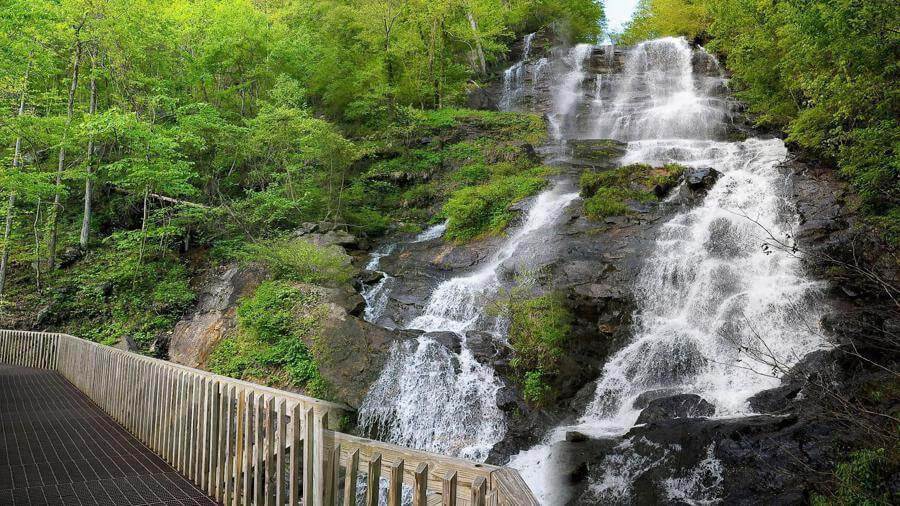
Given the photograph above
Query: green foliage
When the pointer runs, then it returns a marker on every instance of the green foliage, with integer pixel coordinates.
(535, 388)
(863, 480)
(299, 260)
(539, 328)
(477, 210)
(659, 18)
(608, 193)
(268, 346)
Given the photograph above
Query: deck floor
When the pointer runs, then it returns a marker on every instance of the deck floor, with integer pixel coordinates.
(57, 447)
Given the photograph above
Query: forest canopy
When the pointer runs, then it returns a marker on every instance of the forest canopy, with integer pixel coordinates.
(137, 131)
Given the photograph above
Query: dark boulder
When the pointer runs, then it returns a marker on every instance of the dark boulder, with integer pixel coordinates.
(484, 347)
(597, 153)
(450, 340)
(676, 406)
(700, 180)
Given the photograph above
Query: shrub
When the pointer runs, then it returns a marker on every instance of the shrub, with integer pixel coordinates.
(477, 210)
(269, 345)
(608, 193)
(862, 480)
(539, 329)
(535, 388)
(299, 260)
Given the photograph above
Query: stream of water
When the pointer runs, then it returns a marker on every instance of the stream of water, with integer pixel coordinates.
(714, 309)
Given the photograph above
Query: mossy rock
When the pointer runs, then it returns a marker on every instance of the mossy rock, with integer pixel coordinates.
(598, 152)
(616, 192)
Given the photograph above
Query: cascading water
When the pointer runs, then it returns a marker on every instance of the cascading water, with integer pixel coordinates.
(567, 94)
(714, 310)
(376, 296)
(431, 398)
(514, 78)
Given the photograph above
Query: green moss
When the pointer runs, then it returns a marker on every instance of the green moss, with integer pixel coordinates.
(539, 329)
(478, 210)
(268, 346)
(608, 193)
(535, 388)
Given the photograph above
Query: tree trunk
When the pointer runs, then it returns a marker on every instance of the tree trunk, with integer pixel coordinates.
(16, 162)
(37, 246)
(144, 227)
(88, 181)
(478, 50)
(70, 111)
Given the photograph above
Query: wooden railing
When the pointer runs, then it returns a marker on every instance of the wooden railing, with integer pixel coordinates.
(246, 444)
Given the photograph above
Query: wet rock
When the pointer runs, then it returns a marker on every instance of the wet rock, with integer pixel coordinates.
(699, 180)
(676, 406)
(366, 277)
(450, 340)
(484, 347)
(598, 153)
(643, 400)
(573, 436)
(196, 335)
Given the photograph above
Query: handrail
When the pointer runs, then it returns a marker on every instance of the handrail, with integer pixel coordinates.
(248, 444)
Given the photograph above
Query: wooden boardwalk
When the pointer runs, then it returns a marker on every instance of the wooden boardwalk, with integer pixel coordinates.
(58, 447)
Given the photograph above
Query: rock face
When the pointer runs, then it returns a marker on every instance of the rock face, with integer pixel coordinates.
(195, 336)
(676, 406)
(350, 352)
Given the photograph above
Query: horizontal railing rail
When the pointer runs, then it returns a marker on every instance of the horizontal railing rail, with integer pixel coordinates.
(247, 444)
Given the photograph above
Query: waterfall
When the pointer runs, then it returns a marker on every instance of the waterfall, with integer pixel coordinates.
(514, 78)
(431, 398)
(377, 295)
(568, 93)
(714, 308)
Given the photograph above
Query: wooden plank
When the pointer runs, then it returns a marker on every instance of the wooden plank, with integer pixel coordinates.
(395, 489)
(227, 479)
(420, 485)
(511, 488)
(438, 465)
(320, 466)
(479, 492)
(350, 477)
(259, 422)
(373, 480)
(212, 459)
(269, 450)
(247, 460)
(294, 481)
(448, 494)
(308, 457)
(239, 447)
(280, 448)
(333, 477)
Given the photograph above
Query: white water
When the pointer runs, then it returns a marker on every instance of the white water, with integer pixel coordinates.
(378, 295)
(568, 93)
(714, 309)
(430, 398)
(514, 79)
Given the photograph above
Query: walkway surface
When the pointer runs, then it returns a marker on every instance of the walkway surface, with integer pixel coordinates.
(57, 447)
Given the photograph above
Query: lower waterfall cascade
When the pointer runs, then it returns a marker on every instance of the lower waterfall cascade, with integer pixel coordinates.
(717, 314)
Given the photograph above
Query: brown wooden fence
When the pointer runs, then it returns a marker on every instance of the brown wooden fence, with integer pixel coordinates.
(247, 444)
